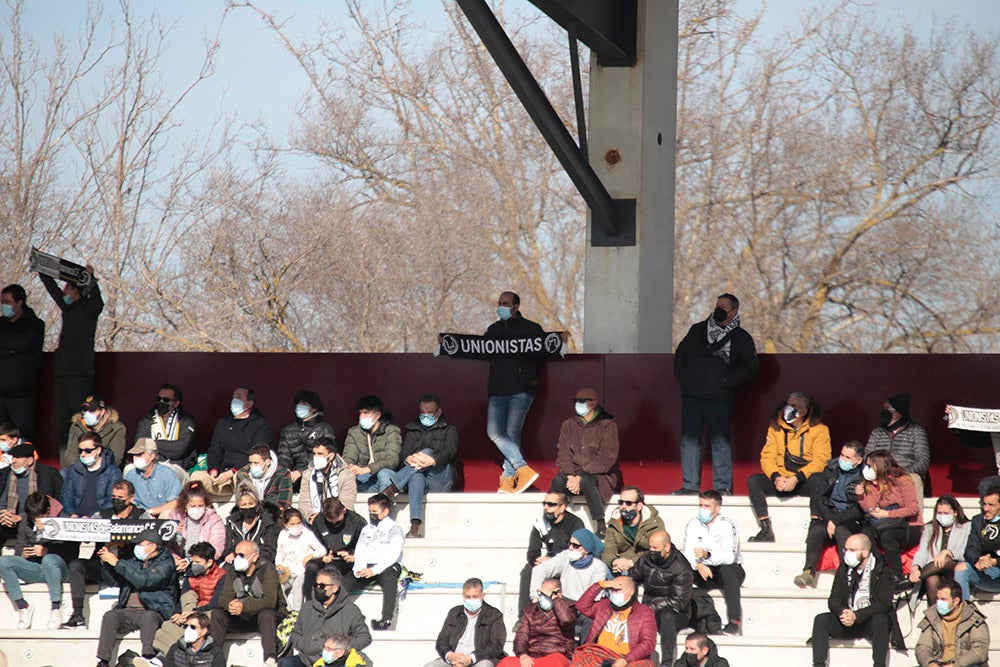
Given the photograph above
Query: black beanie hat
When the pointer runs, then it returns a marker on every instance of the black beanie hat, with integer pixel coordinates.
(901, 404)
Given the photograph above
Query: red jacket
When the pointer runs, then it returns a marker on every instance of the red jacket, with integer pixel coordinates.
(206, 587)
(642, 631)
(542, 633)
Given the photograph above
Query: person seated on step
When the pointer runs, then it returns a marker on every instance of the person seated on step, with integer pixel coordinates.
(979, 566)
(372, 446)
(578, 568)
(377, 557)
(796, 449)
(147, 585)
(549, 536)
(860, 604)
(338, 529)
(87, 483)
(201, 589)
(629, 529)
(156, 484)
(429, 447)
(248, 521)
(833, 508)
(889, 499)
(297, 438)
(328, 476)
(667, 581)
(952, 632)
(24, 476)
(904, 438)
(171, 426)
(327, 612)
(195, 647)
(942, 546)
(337, 652)
(233, 438)
(587, 456)
(473, 633)
(701, 651)
(271, 480)
(712, 546)
(95, 415)
(38, 560)
(250, 600)
(546, 634)
(197, 521)
(623, 632)
(296, 546)
(93, 570)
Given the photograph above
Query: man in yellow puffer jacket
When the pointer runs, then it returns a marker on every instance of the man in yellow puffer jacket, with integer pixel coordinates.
(796, 450)
(337, 652)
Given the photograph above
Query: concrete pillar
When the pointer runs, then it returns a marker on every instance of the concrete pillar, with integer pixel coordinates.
(628, 296)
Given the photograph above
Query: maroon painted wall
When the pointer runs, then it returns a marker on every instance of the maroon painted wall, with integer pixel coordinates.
(638, 389)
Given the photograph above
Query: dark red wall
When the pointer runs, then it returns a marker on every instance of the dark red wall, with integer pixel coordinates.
(638, 389)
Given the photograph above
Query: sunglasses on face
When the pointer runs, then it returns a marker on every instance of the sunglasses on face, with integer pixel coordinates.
(324, 586)
(88, 450)
(193, 627)
(628, 503)
(575, 545)
(549, 503)
(582, 400)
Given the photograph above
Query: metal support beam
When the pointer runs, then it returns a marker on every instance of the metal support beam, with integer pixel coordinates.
(607, 27)
(604, 210)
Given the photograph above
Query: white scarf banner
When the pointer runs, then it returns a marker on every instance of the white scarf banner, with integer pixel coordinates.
(973, 419)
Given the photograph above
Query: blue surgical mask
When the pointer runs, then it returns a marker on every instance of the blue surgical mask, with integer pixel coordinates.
(617, 598)
(846, 466)
(993, 520)
(67, 299)
(19, 471)
(327, 657)
(472, 604)
(140, 552)
(236, 406)
(704, 514)
(88, 461)
(90, 418)
(302, 410)
(503, 312)
(428, 420)
(366, 423)
(943, 608)
(256, 471)
(545, 602)
(5, 446)
(7, 310)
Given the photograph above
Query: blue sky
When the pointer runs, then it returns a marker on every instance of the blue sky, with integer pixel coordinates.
(256, 80)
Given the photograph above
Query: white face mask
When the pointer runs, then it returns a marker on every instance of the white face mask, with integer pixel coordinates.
(196, 513)
(241, 564)
(190, 635)
(945, 519)
(319, 462)
(140, 463)
(366, 423)
(295, 531)
(575, 554)
(869, 473)
(852, 559)
(581, 408)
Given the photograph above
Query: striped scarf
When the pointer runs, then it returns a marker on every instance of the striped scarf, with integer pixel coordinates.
(12, 487)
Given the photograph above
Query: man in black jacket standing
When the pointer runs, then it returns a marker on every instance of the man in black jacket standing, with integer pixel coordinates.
(74, 358)
(512, 387)
(22, 335)
(715, 357)
(668, 579)
(860, 604)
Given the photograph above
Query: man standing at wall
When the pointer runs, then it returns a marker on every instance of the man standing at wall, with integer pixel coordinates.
(715, 357)
(22, 335)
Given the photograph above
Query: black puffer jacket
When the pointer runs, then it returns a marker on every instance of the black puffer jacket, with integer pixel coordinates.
(704, 375)
(441, 439)
(513, 375)
(664, 584)
(296, 441)
(234, 438)
(209, 655)
(21, 354)
(75, 353)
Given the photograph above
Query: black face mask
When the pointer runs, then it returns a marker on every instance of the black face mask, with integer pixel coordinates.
(118, 505)
(162, 407)
(691, 659)
(656, 558)
(321, 594)
(628, 516)
(249, 513)
(373, 519)
(719, 315)
(885, 417)
(197, 570)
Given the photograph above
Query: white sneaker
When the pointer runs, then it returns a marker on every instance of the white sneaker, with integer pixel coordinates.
(147, 662)
(24, 618)
(55, 619)
(270, 662)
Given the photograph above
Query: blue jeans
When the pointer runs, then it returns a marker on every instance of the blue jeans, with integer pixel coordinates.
(697, 413)
(374, 483)
(504, 422)
(970, 579)
(438, 479)
(52, 570)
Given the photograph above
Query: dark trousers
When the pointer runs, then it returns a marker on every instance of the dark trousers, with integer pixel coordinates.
(82, 571)
(21, 411)
(265, 622)
(70, 392)
(816, 540)
(523, 594)
(589, 490)
(123, 621)
(702, 414)
(312, 569)
(729, 578)
(386, 579)
(828, 625)
(894, 541)
(668, 622)
(760, 487)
